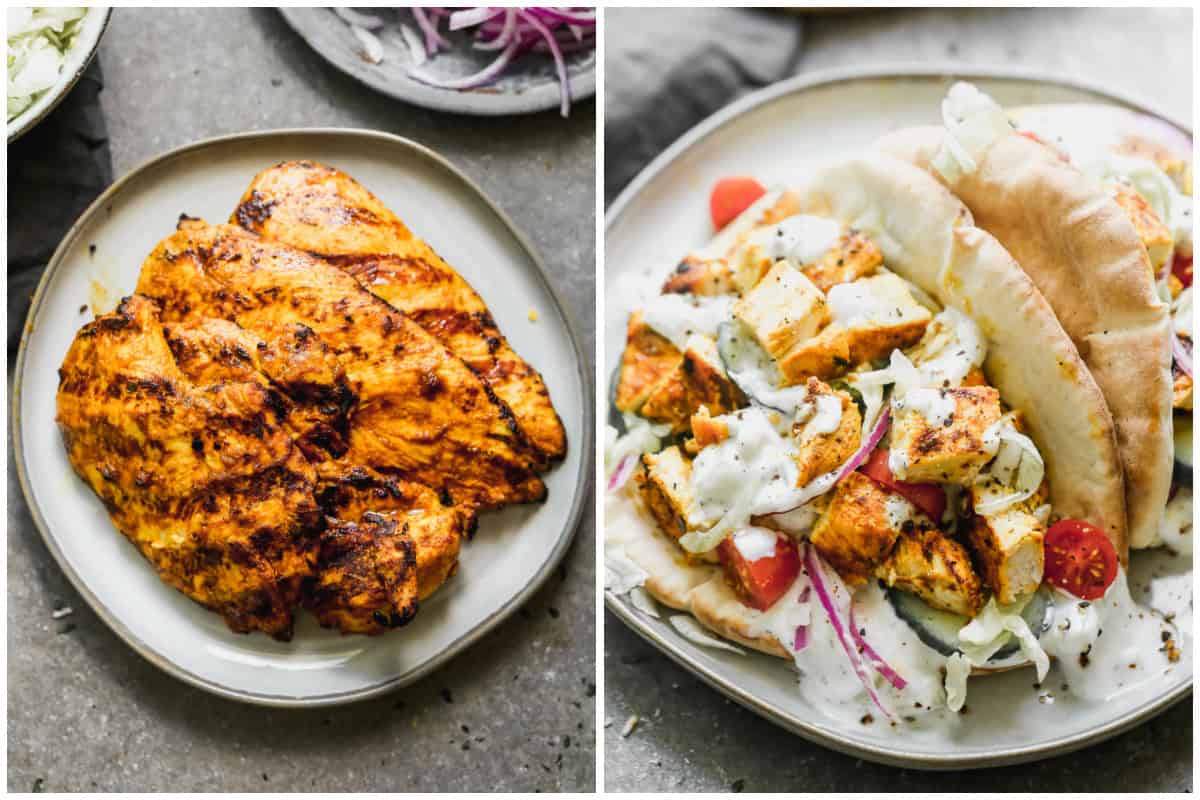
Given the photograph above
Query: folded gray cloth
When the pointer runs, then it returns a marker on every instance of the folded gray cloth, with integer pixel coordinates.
(54, 172)
(668, 69)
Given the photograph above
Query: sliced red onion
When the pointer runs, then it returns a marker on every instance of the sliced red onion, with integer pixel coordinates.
(480, 78)
(622, 473)
(562, 15)
(559, 65)
(472, 16)
(503, 36)
(816, 574)
(432, 38)
(820, 485)
(1182, 357)
(856, 460)
(350, 16)
(881, 666)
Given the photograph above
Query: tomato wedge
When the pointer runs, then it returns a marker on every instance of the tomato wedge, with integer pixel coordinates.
(1079, 559)
(1181, 268)
(732, 196)
(929, 497)
(761, 582)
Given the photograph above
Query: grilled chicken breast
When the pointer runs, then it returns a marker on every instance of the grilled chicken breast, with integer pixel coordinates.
(366, 575)
(201, 476)
(327, 213)
(421, 414)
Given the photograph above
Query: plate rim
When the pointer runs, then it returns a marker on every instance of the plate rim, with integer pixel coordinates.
(583, 478)
(892, 756)
(583, 85)
(61, 88)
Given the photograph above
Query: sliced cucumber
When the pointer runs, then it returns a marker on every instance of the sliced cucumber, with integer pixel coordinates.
(615, 418)
(1183, 449)
(939, 629)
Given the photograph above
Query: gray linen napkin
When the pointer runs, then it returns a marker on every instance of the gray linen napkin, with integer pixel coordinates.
(54, 172)
(668, 69)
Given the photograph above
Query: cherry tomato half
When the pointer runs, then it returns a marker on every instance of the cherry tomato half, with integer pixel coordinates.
(929, 497)
(761, 582)
(732, 196)
(1079, 559)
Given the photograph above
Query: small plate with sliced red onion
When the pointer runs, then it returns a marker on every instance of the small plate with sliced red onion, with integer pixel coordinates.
(469, 60)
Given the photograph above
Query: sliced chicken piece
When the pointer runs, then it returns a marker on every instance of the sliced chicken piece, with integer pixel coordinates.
(934, 567)
(327, 213)
(202, 477)
(421, 413)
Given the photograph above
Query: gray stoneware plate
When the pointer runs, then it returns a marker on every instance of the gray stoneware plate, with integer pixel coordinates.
(529, 84)
(82, 51)
(772, 134)
(512, 553)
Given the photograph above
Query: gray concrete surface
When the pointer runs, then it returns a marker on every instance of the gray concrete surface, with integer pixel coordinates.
(516, 711)
(691, 738)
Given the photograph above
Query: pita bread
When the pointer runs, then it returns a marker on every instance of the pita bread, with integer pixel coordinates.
(1082, 252)
(926, 236)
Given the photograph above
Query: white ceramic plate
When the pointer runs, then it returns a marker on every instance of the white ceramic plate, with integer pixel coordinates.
(513, 551)
(528, 85)
(776, 134)
(80, 54)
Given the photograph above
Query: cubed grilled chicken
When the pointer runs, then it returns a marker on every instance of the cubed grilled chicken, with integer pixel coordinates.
(871, 317)
(421, 413)
(783, 309)
(327, 213)
(1008, 547)
(701, 276)
(663, 481)
(698, 382)
(952, 451)
(934, 567)
(648, 359)
(852, 256)
(818, 451)
(859, 527)
(202, 477)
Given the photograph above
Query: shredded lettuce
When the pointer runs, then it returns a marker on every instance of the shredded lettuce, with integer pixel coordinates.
(993, 627)
(973, 121)
(958, 669)
(38, 40)
(640, 437)
(1017, 465)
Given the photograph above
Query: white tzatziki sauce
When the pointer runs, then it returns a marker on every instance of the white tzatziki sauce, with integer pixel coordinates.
(1108, 646)
(953, 345)
(933, 404)
(753, 471)
(803, 238)
(855, 305)
(755, 543)
(828, 681)
(821, 415)
(679, 316)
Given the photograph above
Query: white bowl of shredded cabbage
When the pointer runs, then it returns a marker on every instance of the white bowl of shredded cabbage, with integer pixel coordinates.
(48, 50)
